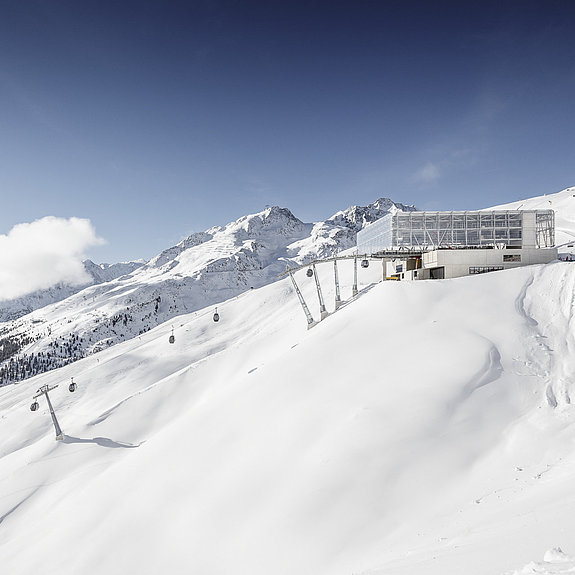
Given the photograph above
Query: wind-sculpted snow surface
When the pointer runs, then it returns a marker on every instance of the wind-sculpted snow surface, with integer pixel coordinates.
(555, 562)
(409, 432)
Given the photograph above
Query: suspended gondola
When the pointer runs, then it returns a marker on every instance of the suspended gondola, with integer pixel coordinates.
(309, 272)
(216, 315)
(365, 263)
(72, 386)
(172, 337)
(34, 406)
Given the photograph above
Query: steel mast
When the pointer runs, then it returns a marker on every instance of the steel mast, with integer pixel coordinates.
(44, 391)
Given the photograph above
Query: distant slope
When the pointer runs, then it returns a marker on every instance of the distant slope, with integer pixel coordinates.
(425, 427)
(99, 273)
(563, 203)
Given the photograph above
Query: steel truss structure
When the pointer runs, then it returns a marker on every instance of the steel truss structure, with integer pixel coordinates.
(430, 230)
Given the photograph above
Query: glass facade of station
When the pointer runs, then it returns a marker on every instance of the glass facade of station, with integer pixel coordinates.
(428, 230)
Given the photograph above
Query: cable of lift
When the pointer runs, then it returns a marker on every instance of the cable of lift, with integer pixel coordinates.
(365, 258)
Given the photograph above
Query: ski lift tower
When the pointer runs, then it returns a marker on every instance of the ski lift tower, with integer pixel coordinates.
(338, 301)
(44, 391)
(310, 321)
(322, 310)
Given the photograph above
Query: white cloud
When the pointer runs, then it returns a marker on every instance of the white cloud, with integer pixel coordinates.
(43, 253)
(428, 174)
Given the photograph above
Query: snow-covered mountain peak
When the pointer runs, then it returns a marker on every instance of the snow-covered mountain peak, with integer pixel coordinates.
(357, 217)
(274, 220)
(338, 232)
(203, 269)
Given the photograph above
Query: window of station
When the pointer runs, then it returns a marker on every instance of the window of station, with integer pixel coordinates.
(417, 222)
(486, 220)
(459, 236)
(472, 237)
(515, 220)
(484, 269)
(486, 234)
(472, 221)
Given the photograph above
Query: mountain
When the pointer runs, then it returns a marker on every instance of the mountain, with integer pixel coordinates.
(99, 273)
(338, 233)
(424, 427)
(204, 269)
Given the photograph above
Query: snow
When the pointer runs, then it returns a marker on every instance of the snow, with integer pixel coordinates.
(95, 273)
(554, 562)
(422, 428)
(563, 203)
(411, 431)
(204, 269)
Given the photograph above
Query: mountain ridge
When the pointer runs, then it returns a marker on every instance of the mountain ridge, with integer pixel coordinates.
(203, 269)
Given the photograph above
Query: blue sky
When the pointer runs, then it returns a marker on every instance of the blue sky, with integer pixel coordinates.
(154, 119)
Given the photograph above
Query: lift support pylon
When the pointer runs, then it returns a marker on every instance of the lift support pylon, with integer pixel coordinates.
(322, 310)
(354, 288)
(309, 317)
(44, 391)
(338, 301)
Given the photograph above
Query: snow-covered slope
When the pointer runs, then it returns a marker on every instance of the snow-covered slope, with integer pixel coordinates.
(99, 273)
(425, 427)
(563, 203)
(204, 269)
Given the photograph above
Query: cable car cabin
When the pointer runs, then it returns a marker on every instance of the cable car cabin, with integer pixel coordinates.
(34, 406)
(72, 387)
(309, 273)
(172, 339)
(216, 315)
(364, 263)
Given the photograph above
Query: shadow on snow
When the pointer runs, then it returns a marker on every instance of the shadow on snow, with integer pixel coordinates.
(103, 441)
